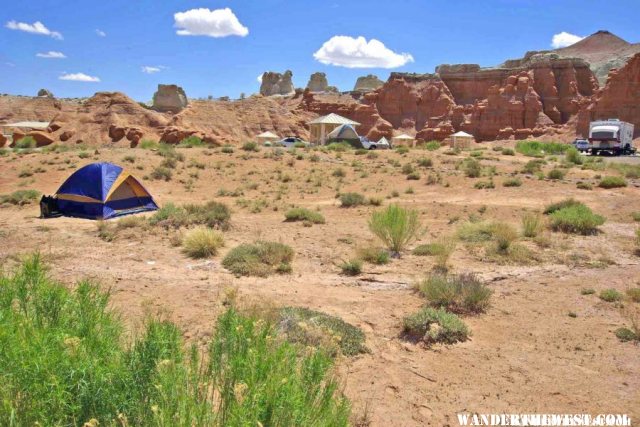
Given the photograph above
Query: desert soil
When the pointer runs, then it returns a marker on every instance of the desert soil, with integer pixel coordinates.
(526, 354)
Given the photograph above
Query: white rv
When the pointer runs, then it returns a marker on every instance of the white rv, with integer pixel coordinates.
(612, 136)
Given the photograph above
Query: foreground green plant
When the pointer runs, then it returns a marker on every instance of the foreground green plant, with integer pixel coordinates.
(396, 226)
(65, 362)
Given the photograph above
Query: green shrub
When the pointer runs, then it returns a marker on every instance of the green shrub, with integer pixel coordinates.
(555, 174)
(634, 294)
(476, 232)
(508, 152)
(250, 146)
(610, 295)
(395, 226)
(533, 166)
(484, 185)
(626, 334)
(303, 214)
(227, 149)
(587, 291)
(425, 162)
(463, 293)
(532, 225)
(375, 201)
(20, 197)
(436, 326)
(432, 145)
(192, 141)
(540, 149)
(414, 176)
(339, 173)
(566, 203)
(428, 249)
(581, 185)
(67, 360)
(162, 173)
(349, 200)
(472, 168)
(577, 219)
(612, 182)
(148, 144)
(25, 143)
(212, 214)
(636, 216)
(259, 259)
(572, 155)
(202, 242)
(339, 147)
(402, 149)
(314, 328)
(352, 267)
(512, 182)
(374, 255)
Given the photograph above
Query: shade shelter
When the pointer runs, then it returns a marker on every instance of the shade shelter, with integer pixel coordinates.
(461, 140)
(102, 191)
(267, 137)
(404, 139)
(321, 127)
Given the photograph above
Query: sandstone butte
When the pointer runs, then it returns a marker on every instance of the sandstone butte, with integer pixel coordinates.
(543, 94)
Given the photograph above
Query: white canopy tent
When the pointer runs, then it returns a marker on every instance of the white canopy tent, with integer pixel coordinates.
(267, 137)
(404, 139)
(461, 139)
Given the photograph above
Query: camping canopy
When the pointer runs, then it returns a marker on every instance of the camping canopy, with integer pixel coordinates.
(343, 132)
(102, 191)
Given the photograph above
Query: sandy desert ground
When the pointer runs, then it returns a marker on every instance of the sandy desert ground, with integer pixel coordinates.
(542, 346)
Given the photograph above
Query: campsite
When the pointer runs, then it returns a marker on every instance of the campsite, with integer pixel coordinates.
(283, 214)
(538, 304)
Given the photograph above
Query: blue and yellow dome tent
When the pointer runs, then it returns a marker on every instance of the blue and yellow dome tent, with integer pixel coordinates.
(102, 191)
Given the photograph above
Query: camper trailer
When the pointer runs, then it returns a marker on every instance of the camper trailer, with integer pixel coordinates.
(612, 136)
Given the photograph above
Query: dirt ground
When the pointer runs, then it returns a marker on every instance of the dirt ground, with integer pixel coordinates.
(526, 355)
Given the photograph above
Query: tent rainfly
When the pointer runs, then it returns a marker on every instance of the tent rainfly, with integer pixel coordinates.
(383, 140)
(461, 140)
(102, 191)
(320, 128)
(267, 137)
(404, 139)
(343, 132)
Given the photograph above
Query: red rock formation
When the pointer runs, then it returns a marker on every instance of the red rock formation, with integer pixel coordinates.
(406, 103)
(619, 98)
(42, 139)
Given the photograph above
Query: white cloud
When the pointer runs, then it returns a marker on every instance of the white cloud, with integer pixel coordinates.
(78, 77)
(564, 39)
(101, 33)
(210, 23)
(52, 54)
(35, 28)
(350, 52)
(260, 79)
(150, 69)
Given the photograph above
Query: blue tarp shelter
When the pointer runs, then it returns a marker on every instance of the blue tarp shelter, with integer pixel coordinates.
(102, 191)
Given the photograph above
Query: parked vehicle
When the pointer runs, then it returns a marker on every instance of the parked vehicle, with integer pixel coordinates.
(612, 136)
(383, 144)
(582, 145)
(292, 141)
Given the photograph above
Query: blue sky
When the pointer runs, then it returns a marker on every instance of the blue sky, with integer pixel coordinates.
(274, 35)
